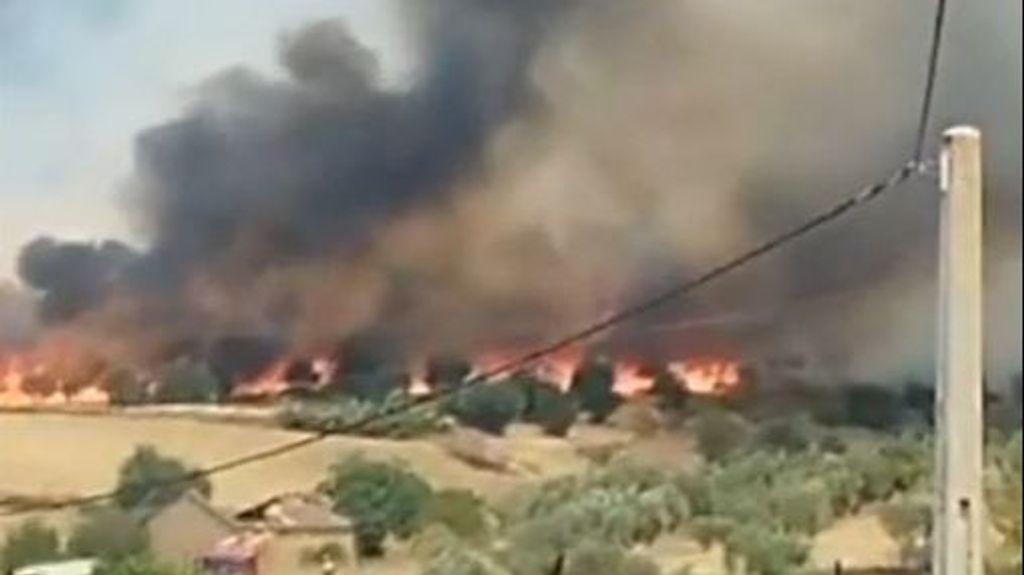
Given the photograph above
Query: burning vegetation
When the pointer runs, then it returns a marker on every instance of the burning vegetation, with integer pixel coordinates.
(60, 374)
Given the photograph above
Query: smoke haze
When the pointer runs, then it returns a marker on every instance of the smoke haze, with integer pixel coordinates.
(549, 160)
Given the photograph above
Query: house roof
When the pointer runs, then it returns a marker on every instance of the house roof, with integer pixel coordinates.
(199, 501)
(294, 512)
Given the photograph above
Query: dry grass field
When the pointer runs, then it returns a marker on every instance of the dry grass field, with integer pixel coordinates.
(65, 454)
(56, 454)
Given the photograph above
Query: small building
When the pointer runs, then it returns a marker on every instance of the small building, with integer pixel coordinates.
(69, 567)
(289, 534)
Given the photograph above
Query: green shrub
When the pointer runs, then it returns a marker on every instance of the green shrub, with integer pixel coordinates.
(555, 412)
(148, 480)
(489, 407)
(459, 510)
(359, 417)
(445, 373)
(109, 534)
(873, 407)
(381, 499)
(31, 542)
(789, 434)
(765, 551)
(186, 381)
(593, 385)
(908, 521)
(720, 433)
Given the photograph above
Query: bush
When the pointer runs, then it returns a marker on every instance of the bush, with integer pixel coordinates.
(555, 412)
(490, 407)
(345, 413)
(593, 385)
(447, 372)
(788, 434)
(908, 521)
(109, 534)
(186, 381)
(381, 499)
(31, 542)
(148, 481)
(619, 506)
(765, 551)
(873, 407)
(720, 433)
(460, 511)
(1004, 498)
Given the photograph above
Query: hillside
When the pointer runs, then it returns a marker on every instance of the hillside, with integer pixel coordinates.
(56, 455)
(64, 454)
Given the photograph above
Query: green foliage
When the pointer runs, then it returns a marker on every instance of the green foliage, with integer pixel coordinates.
(459, 510)
(919, 399)
(446, 554)
(109, 534)
(490, 407)
(547, 406)
(186, 381)
(872, 406)
(594, 556)
(148, 480)
(593, 385)
(708, 529)
(345, 412)
(618, 506)
(447, 372)
(890, 466)
(1004, 503)
(142, 565)
(765, 551)
(907, 519)
(29, 543)
(380, 498)
(720, 433)
(789, 434)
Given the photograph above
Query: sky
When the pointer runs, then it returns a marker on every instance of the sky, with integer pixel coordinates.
(79, 78)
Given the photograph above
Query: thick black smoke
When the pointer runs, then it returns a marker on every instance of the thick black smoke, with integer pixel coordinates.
(73, 277)
(549, 159)
(260, 174)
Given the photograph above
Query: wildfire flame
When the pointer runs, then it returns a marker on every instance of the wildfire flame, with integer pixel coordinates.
(36, 379)
(710, 377)
(277, 378)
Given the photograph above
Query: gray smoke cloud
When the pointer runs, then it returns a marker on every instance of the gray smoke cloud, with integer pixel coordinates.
(549, 160)
(17, 317)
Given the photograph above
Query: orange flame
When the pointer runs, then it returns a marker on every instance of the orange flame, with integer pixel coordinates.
(707, 376)
(34, 379)
(274, 380)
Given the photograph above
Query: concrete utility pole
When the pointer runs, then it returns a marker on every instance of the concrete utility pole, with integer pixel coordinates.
(959, 511)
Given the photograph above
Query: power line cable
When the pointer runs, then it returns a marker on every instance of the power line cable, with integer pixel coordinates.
(930, 79)
(859, 198)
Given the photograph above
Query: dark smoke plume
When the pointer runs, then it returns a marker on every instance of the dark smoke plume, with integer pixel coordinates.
(547, 160)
